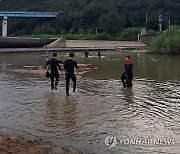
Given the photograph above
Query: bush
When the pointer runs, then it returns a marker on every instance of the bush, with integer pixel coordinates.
(102, 36)
(79, 37)
(152, 32)
(43, 30)
(129, 34)
(168, 42)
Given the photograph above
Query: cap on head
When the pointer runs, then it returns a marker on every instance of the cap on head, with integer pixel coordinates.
(54, 54)
(71, 54)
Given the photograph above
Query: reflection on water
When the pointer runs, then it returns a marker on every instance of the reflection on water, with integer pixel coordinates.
(101, 107)
(128, 95)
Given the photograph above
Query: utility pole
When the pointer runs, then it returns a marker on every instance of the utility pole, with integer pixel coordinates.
(146, 22)
(160, 23)
(46, 53)
(4, 27)
(169, 23)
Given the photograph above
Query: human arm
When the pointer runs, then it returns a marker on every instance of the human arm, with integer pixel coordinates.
(65, 65)
(47, 63)
(75, 65)
(59, 67)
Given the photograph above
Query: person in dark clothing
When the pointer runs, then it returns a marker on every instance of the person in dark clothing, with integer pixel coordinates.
(54, 74)
(69, 66)
(99, 54)
(86, 53)
(127, 76)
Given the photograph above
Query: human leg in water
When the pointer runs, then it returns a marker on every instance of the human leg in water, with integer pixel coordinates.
(52, 81)
(57, 81)
(123, 78)
(73, 77)
(67, 84)
(129, 80)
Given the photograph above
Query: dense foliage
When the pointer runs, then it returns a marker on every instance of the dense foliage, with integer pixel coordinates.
(168, 42)
(109, 17)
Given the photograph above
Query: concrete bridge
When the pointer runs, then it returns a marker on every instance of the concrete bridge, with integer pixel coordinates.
(6, 15)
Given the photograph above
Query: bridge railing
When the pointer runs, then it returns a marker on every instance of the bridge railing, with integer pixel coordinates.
(29, 14)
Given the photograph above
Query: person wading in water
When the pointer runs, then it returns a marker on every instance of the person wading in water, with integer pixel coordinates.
(127, 76)
(86, 53)
(99, 54)
(69, 66)
(54, 74)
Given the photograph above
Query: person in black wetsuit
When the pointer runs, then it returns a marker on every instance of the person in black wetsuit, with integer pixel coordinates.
(54, 74)
(86, 53)
(99, 54)
(69, 66)
(127, 76)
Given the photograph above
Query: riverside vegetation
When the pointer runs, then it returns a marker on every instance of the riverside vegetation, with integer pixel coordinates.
(82, 19)
(168, 42)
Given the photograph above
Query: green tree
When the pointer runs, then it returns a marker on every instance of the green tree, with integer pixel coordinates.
(111, 23)
(168, 42)
(109, 16)
(129, 34)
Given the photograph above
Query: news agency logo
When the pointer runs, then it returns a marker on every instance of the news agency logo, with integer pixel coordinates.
(111, 141)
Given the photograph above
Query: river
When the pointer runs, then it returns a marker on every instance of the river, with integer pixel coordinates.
(101, 107)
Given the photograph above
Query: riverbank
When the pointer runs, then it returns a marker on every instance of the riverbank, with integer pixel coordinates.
(86, 45)
(100, 44)
(19, 145)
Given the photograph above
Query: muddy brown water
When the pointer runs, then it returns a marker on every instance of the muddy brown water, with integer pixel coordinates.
(101, 107)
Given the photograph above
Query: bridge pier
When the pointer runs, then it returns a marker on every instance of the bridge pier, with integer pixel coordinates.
(4, 27)
(7, 15)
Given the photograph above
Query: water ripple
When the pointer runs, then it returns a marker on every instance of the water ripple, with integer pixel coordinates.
(149, 109)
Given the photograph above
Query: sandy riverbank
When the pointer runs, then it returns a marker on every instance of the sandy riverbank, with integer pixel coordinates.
(21, 146)
(18, 145)
(98, 44)
(84, 45)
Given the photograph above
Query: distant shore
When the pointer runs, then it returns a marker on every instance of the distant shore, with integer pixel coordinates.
(87, 45)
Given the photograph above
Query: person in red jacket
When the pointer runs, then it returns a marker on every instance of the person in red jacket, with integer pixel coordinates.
(127, 76)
